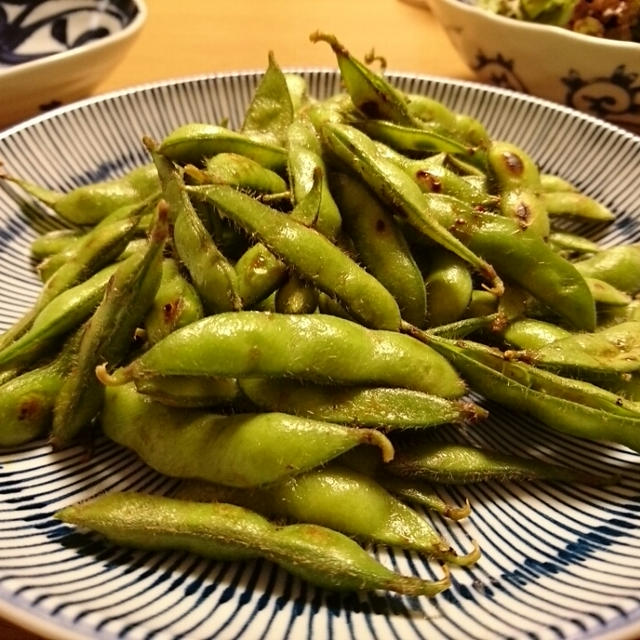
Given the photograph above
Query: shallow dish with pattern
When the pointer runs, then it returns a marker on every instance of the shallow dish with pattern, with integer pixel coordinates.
(558, 561)
(596, 75)
(55, 51)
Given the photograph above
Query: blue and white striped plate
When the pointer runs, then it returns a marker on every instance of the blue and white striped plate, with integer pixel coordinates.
(559, 561)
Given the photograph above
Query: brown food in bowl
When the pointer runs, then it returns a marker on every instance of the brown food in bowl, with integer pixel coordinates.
(616, 19)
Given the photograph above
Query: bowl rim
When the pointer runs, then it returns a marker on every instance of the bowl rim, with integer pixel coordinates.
(122, 35)
(469, 7)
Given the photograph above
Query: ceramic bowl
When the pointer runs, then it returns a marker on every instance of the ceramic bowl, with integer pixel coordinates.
(53, 52)
(595, 75)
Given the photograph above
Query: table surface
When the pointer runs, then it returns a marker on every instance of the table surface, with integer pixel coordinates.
(200, 36)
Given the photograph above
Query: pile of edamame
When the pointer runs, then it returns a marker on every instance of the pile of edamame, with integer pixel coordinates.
(265, 313)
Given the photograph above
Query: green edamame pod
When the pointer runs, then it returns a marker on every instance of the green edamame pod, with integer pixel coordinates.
(93, 253)
(239, 450)
(564, 404)
(460, 464)
(193, 143)
(135, 212)
(175, 305)
(259, 273)
(399, 192)
(517, 180)
(605, 294)
(343, 500)
(550, 182)
(298, 90)
(296, 296)
(192, 391)
(523, 257)
(530, 333)
(88, 204)
(53, 242)
(381, 246)
(449, 286)
(313, 347)
(213, 276)
(108, 334)
(527, 210)
(436, 115)
(27, 400)
(222, 531)
(414, 140)
(384, 407)
(312, 256)
(370, 93)
(432, 176)
(572, 243)
(619, 266)
(305, 167)
(571, 203)
(271, 110)
(65, 312)
(608, 351)
(240, 172)
(417, 492)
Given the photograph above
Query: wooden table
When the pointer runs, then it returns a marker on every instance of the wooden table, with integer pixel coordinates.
(204, 36)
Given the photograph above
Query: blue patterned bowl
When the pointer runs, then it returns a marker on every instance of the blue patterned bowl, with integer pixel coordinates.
(595, 75)
(54, 51)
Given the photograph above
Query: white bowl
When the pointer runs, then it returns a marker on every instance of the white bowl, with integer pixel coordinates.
(595, 75)
(54, 52)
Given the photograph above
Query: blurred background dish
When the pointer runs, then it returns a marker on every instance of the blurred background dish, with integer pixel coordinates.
(53, 52)
(596, 75)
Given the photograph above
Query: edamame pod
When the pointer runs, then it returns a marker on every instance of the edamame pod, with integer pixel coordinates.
(53, 242)
(370, 93)
(65, 312)
(315, 347)
(305, 166)
(88, 204)
(270, 111)
(341, 499)
(108, 334)
(313, 257)
(240, 172)
(449, 286)
(221, 531)
(460, 464)
(415, 140)
(420, 493)
(383, 407)
(563, 404)
(381, 246)
(530, 333)
(517, 180)
(259, 273)
(606, 352)
(398, 190)
(175, 305)
(571, 203)
(27, 400)
(619, 266)
(523, 257)
(238, 450)
(213, 276)
(193, 143)
(94, 252)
